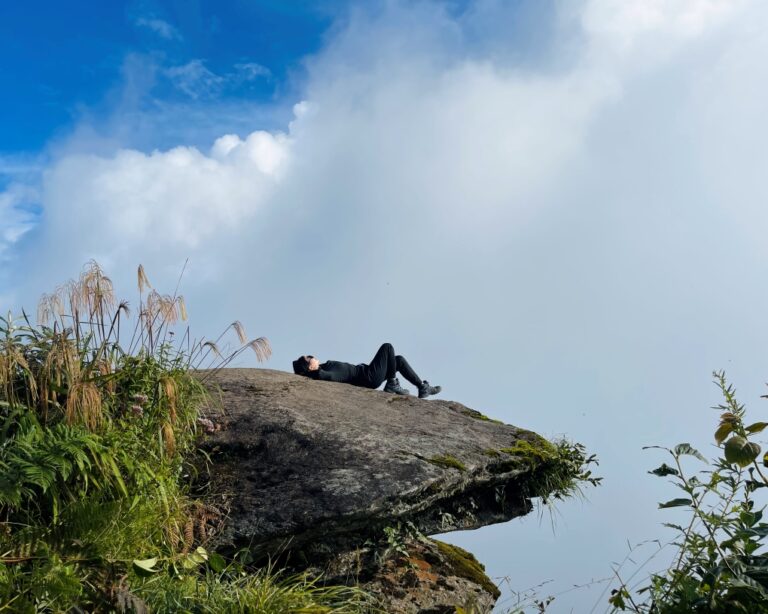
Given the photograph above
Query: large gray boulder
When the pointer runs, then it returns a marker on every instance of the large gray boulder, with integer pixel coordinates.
(323, 467)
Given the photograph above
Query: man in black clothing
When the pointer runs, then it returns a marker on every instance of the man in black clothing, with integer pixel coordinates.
(383, 367)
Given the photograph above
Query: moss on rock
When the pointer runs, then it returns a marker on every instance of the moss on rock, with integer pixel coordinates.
(446, 460)
(535, 449)
(465, 565)
(479, 416)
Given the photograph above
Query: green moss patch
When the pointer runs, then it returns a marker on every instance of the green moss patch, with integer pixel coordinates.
(536, 449)
(492, 453)
(478, 416)
(446, 460)
(465, 565)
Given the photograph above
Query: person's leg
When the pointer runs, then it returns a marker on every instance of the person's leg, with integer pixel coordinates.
(425, 389)
(408, 373)
(382, 367)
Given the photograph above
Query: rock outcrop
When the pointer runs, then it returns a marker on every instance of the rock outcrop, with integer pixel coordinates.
(332, 471)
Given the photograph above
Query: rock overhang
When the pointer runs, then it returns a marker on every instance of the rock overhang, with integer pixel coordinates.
(308, 463)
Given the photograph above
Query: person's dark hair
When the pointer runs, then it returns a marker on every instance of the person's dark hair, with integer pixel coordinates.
(301, 366)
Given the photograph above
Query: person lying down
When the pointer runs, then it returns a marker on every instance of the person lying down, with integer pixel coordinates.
(384, 367)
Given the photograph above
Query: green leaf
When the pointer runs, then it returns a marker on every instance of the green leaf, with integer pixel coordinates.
(198, 557)
(725, 429)
(217, 562)
(741, 451)
(748, 518)
(664, 470)
(757, 427)
(675, 503)
(201, 552)
(145, 567)
(685, 448)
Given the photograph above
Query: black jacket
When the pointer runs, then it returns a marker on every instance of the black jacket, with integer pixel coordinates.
(343, 372)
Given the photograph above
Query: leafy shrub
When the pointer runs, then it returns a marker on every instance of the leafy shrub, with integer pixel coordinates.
(721, 564)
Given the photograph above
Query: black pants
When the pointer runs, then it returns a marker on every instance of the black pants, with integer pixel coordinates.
(385, 365)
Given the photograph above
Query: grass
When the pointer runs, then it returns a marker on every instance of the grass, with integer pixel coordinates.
(100, 420)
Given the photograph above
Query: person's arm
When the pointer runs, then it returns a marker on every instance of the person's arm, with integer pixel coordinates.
(326, 376)
(333, 372)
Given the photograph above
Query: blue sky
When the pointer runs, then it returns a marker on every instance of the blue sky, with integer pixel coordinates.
(555, 210)
(59, 60)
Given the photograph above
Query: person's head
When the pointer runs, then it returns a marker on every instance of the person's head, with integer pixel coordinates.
(305, 365)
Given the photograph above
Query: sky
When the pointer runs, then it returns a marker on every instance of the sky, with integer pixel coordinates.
(553, 209)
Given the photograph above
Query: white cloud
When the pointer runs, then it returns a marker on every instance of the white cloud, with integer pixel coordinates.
(169, 202)
(250, 71)
(160, 27)
(17, 218)
(197, 81)
(647, 32)
(624, 21)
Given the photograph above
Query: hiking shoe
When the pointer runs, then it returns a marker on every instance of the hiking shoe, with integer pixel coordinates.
(393, 386)
(426, 390)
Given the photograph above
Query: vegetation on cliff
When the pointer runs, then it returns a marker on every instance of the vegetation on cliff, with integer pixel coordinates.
(99, 422)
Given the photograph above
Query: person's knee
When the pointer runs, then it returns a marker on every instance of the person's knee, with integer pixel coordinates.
(388, 346)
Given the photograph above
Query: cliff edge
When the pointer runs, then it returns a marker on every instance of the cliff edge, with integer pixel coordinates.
(349, 481)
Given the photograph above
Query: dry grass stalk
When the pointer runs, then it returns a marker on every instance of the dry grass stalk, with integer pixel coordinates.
(165, 309)
(182, 308)
(168, 389)
(71, 292)
(261, 348)
(240, 330)
(5, 375)
(49, 308)
(143, 279)
(124, 308)
(169, 439)
(12, 362)
(105, 370)
(214, 348)
(153, 311)
(84, 405)
(96, 292)
(61, 365)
